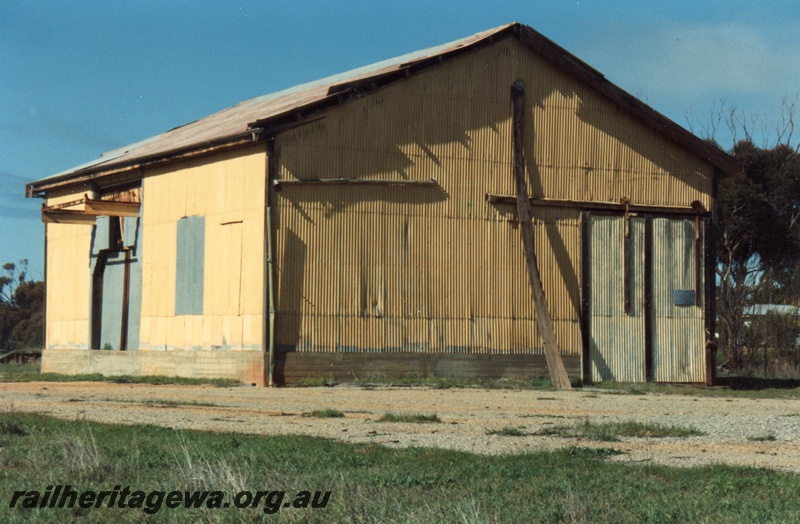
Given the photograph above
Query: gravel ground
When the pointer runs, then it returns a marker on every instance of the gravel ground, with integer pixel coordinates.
(466, 414)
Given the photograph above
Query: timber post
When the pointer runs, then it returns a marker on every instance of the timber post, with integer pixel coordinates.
(558, 374)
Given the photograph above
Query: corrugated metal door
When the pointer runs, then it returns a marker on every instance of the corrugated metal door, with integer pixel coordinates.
(117, 284)
(677, 313)
(616, 303)
(113, 297)
(646, 287)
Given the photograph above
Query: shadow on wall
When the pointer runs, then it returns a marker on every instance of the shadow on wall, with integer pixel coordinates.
(632, 137)
(603, 369)
(336, 198)
(608, 119)
(291, 285)
(426, 125)
(557, 244)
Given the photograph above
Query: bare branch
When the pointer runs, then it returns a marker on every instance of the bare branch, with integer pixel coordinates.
(785, 128)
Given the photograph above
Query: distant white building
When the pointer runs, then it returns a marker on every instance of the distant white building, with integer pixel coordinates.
(760, 310)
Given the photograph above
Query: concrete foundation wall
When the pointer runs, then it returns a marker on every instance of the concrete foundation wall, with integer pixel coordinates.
(245, 366)
(248, 366)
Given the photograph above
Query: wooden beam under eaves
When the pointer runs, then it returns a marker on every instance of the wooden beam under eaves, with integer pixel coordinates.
(351, 181)
(114, 209)
(695, 209)
(64, 216)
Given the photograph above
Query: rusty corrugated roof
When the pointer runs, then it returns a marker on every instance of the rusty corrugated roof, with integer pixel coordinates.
(248, 118)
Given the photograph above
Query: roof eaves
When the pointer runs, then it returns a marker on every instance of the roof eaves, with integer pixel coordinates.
(95, 169)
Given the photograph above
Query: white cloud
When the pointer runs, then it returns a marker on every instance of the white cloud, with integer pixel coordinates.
(706, 59)
(693, 67)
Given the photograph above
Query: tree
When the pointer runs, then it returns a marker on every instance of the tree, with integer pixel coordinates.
(757, 240)
(21, 308)
(757, 229)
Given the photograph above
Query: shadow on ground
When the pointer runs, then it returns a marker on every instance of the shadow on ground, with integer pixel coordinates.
(757, 384)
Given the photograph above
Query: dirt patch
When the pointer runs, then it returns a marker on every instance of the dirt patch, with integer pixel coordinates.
(753, 432)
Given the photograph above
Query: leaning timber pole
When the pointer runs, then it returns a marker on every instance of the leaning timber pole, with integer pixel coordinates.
(558, 374)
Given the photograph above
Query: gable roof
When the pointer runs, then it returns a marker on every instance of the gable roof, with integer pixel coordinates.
(261, 117)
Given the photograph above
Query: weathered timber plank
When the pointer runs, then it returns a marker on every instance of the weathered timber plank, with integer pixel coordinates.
(296, 366)
(558, 375)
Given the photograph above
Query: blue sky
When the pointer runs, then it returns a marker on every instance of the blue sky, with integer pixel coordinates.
(78, 78)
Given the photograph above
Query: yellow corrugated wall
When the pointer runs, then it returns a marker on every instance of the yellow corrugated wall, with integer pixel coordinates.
(68, 278)
(438, 269)
(226, 188)
(68, 285)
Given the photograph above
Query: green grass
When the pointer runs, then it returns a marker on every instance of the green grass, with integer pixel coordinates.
(595, 453)
(769, 437)
(454, 383)
(31, 372)
(728, 387)
(368, 482)
(324, 413)
(417, 418)
(508, 431)
(169, 403)
(13, 372)
(316, 382)
(612, 431)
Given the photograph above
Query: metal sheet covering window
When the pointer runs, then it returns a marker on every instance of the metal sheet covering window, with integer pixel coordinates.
(190, 266)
